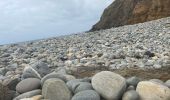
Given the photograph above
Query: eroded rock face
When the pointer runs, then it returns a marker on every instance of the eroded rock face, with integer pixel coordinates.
(125, 12)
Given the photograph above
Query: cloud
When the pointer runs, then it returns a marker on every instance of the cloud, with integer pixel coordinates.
(33, 19)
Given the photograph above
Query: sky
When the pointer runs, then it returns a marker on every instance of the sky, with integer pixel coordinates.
(24, 20)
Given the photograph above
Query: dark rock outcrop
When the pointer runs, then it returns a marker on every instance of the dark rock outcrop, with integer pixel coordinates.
(125, 12)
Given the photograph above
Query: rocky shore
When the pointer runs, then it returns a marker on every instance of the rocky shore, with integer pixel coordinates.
(52, 68)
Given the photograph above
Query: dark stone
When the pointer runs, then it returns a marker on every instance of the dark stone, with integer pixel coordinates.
(42, 68)
(5, 93)
(149, 54)
(11, 83)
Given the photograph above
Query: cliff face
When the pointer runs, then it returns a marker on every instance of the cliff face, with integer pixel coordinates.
(125, 12)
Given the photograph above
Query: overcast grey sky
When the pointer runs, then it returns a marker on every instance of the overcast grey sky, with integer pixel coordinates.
(23, 20)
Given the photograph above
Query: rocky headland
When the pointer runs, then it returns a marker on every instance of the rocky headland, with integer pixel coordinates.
(123, 63)
(127, 12)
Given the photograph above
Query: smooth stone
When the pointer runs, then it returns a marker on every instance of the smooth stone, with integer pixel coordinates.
(42, 68)
(72, 84)
(131, 87)
(131, 95)
(149, 90)
(12, 67)
(9, 73)
(167, 83)
(3, 71)
(157, 80)
(86, 95)
(55, 89)
(28, 94)
(37, 97)
(109, 85)
(69, 77)
(133, 81)
(61, 70)
(28, 84)
(83, 86)
(53, 75)
(29, 72)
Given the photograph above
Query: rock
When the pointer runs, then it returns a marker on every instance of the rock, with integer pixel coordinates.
(28, 84)
(36, 70)
(10, 95)
(131, 95)
(131, 87)
(37, 97)
(61, 70)
(157, 80)
(125, 12)
(109, 85)
(157, 66)
(86, 79)
(69, 77)
(133, 81)
(149, 54)
(5, 93)
(152, 91)
(86, 95)
(72, 84)
(83, 86)
(53, 75)
(12, 67)
(42, 68)
(3, 71)
(10, 73)
(55, 89)
(167, 83)
(29, 72)
(11, 83)
(28, 94)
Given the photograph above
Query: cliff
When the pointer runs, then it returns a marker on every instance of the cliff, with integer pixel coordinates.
(125, 12)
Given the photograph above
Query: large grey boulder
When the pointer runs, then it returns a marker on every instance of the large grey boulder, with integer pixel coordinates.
(28, 94)
(86, 95)
(149, 90)
(28, 84)
(55, 89)
(131, 95)
(109, 85)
